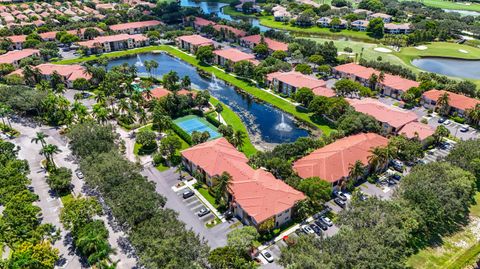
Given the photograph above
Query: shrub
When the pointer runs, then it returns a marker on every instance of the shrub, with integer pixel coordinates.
(60, 180)
(458, 119)
(158, 159)
(182, 134)
(213, 120)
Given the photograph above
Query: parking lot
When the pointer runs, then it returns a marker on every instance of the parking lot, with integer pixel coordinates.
(453, 127)
(194, 204)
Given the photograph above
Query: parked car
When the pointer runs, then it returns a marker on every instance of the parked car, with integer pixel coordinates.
(321, 224)
(267, 255)
(327, 221)
(203, 211)
(396, 177)
(228, 215)
(464, 129)
(307, 229)
(79, 174)
(447, 122)
(441, 120)
(187, 194)
(397, 165)
(445, 145)
(300, 231)
(340, 195)
(341, 203)
(316, 229)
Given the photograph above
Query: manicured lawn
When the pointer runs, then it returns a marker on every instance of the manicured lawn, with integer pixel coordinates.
(233, 119)
(232, 12)
(269, 21)
(204, 192)
(451, 5)
(456, 251)
(440, 49)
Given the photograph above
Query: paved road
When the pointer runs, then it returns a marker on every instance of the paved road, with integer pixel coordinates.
(215, 237)
(49, 204)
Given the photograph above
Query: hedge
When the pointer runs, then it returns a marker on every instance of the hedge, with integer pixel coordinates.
(213, 120)
(183, 135)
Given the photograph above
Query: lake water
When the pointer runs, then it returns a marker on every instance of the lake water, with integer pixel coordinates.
(463, 12)
(216, 8)
(265, 124)
(450, 67)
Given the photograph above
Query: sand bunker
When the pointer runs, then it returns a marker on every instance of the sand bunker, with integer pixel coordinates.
(421, 47)
(383, 50)
(463, 51)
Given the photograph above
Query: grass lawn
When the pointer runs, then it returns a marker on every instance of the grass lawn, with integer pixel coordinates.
(269, 21)
(233, 119)
(457, 251)
(244, 85)
(232, 12)
(204, 192)
(451, 5)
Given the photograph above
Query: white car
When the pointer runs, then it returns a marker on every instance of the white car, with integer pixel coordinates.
(307, 229)
(267, 255)
(327, 221)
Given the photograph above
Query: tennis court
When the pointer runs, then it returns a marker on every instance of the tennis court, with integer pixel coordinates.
(192, 123)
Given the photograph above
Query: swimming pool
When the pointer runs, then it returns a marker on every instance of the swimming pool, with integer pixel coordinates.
(193, 123)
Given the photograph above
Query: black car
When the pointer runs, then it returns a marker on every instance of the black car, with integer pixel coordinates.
(300, 231)
(321, 224)
(228, 215)
(464, 129)
(204, 211)
(341, 203)
(441, 120)
(187, 194)
(341, 196)
(396, 177)
(316, 229)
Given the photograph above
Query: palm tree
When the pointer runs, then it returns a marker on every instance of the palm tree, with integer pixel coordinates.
(142, 117)
(443, 103)
(48, 151)
(218, 109)
(40, 137)
(372, 81)
(238, 139)
(186, 82)
(378, 158)
(473, 114)
(356, 170)
(222, 185)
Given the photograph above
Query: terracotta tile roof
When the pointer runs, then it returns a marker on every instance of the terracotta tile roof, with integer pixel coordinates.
(160, 92)
(111, 38)
(392, 81)
(69, 72)
(332, 162)
(202, 22)
(16, 55)
(235, 31)
(323, 91)
(455, 100)
(394, 116)
(272, 44)
(196, 40)
(393, 26)
(414, 129)
(133, 25)
(297, 79)
(234, 55)
(17, 38)
(258, 192)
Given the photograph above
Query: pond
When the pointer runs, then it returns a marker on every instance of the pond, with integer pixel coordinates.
(266, 124)
(450, 67)
(463, 12)
(217, 8)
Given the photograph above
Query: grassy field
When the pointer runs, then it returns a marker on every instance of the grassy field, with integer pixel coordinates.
(232, 12)
(204, 192)
(450, 4)
(244, 85)
(233, 119)
(457, 250)
(314, 30)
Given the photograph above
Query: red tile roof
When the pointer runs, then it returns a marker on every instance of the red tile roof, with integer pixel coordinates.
(394, 116)
(111, 38)
(17, 38)
(16, 55)
(69, 72)
(258, 192)
(417, 129)
(159, 92)
(323, 91)
(455, 100)
(235, 31)
(394, 82)
(297, 79)
(272, 44)
(202, 22)
(332, 162)
(196, 40)
(234, 55)
(133, 25)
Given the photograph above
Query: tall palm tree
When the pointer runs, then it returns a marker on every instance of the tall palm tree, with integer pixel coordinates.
(372, 81)
(48, 151)
(473, 114)
(218, 109)
(142, 117)
(443, 103)
(40, 137)
(378, 158)
(186, 82)
(222, 186)
(356, 170)
(238, 139)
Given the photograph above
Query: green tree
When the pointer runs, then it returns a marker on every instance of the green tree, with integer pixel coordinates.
(304, 69)
(147, 138)
(49, 150)
(279, 54)
(40, 137)
(376, 27)
(440, 132)
(261, 50)
(238, 139)
(169, 146)
(60, 180)
(204, 54)
(38, 256)
(304, 96)
(92, 241)
(317, 189)
(170, 81)
(222, 186)
(242, 239)
(78, 212)
(226, 258)
(443, 104)
(81, 84)
(316, 59)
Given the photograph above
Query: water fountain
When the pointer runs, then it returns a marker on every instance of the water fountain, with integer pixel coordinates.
(214, 85)
(282, 126)
(139, 62)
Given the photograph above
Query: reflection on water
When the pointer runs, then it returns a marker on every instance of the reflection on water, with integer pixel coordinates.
(450, 67)
(262, 120)
(463, 12)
